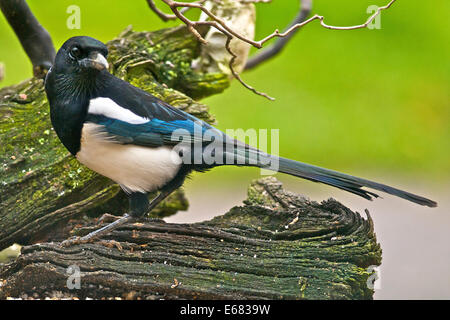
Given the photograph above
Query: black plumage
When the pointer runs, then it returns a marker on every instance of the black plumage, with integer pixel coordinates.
(83, 94)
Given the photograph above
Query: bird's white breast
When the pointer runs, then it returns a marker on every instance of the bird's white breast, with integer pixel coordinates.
(134, 167)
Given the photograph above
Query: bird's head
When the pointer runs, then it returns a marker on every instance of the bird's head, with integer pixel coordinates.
(81, 56)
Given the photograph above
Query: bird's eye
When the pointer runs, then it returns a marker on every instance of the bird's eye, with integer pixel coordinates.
(75, 53)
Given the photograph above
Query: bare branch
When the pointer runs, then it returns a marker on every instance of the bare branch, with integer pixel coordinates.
(273, 50)
(237, 76)
(220, 25)
(34, 38)
(276, 33)
(164, 16)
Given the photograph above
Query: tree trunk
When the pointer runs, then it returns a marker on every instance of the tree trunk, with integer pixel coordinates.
(278, 245)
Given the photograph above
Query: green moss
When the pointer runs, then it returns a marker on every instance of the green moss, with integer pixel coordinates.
(167, 61)
(327, 245)
(37, 174)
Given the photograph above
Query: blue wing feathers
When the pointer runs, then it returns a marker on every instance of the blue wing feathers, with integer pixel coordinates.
(165, 120)
(153, 133)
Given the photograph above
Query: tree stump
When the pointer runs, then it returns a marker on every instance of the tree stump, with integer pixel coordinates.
(278, 245)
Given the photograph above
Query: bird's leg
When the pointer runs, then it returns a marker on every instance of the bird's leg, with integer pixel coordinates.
(106, 229)
(140, 215)
(97, 233)
(139, 205)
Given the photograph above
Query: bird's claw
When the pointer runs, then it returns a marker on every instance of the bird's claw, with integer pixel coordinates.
(73, 241)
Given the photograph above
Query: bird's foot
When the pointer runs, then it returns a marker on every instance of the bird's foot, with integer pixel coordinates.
(73, 241)
(98, 233)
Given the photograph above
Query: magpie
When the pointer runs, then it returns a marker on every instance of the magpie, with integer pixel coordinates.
(146, 145)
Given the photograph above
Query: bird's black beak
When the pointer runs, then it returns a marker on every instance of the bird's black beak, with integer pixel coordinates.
(95, 60)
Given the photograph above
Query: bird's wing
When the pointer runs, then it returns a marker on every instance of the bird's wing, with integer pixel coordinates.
(140, 102)
(133, 116)
(130, 115)
(151, 133)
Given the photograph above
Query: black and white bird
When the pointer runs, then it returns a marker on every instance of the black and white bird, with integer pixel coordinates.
(145, 144)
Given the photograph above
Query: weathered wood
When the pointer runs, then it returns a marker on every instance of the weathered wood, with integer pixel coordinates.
(278, 245)
(41, 185)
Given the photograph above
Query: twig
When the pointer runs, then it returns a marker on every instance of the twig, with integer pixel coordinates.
(164, 16)
(276, 33)
(237, 76)
(220, 25)
(273, 50)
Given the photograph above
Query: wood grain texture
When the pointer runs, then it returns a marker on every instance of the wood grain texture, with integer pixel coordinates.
(278, 245)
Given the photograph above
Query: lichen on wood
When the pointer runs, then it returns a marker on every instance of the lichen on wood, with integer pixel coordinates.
(278, 245)
(41, 185)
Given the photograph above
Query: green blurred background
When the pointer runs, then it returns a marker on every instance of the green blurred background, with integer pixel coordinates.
(358, 101)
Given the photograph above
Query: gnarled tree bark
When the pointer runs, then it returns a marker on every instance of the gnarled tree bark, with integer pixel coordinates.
(278, 245)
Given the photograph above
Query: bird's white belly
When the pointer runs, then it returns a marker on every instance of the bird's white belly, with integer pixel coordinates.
(134, 167)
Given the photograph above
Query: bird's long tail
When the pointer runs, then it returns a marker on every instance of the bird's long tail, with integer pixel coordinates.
(249, 156)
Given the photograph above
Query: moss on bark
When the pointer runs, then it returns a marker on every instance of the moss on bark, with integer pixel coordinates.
(41, 185)
(276, 246)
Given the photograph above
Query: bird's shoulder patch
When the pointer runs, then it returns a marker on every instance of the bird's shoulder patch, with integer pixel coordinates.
(109, 108)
